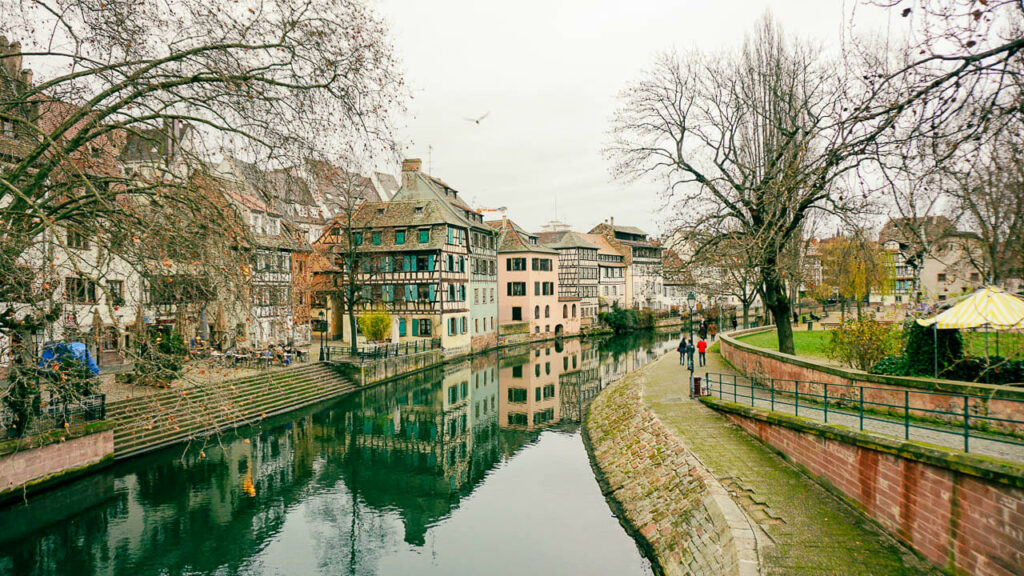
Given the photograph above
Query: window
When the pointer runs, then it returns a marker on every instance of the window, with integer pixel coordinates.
(517, 372)
(542, 264)
(79, 290)
(424, 236)
(536, 288)
(399, 236)
(975, 276)
(357, 237)
(573, 310)
(376, 238)
(476, 325)
(476, 295)
(424, 326)
(116, 290)
(462, 325)
(517, 395)
(451, 326)
(515, 264)
(536, 311)
(547, 311)
(565, 310)
(517, 313)
(492, 294)
(77, 241)
(517, 288)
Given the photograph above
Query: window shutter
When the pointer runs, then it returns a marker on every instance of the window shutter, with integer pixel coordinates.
(415, 327)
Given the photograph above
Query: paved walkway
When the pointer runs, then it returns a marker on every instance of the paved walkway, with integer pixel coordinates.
(809, 531)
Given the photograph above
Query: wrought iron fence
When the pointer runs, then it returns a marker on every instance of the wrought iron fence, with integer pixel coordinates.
(54, 414)
(386, 350)
(969, 416)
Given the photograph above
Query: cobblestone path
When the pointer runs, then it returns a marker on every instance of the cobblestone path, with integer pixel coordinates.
(809, 532)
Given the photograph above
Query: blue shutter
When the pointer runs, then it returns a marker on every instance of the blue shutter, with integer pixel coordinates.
(450, 235)
(401, 326)
(406, 265)
(430, 262)
(415, 327)
(433, 294)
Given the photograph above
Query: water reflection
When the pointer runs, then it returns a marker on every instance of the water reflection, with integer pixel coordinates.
(370, 485)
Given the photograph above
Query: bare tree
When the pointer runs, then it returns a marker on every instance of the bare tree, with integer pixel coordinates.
(277, 81)
(347, 267)
(751, 144)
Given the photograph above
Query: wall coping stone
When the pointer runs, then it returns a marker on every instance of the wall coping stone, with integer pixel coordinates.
(994, 469)
(920, 383)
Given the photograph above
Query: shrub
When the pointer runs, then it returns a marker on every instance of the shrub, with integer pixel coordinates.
(862, 343)
(375, 325)
(920, 349)
(890, 366)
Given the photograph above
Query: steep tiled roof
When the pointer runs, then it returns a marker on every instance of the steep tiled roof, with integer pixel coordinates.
(604, 247)
(565, 239)
(512, 238)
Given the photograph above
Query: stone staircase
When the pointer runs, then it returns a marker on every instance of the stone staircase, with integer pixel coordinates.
(154, 421)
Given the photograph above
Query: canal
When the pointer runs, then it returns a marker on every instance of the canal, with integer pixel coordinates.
(471, 468)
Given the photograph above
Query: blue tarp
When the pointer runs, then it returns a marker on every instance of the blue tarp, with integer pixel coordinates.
(54, 353)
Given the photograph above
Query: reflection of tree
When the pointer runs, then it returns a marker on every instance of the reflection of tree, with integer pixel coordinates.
(357, 467)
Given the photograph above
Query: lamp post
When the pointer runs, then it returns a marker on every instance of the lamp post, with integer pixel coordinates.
(691, 301)
(320, 316)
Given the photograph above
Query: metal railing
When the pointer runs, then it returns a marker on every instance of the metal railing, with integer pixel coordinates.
(968, 416)
(387, 350)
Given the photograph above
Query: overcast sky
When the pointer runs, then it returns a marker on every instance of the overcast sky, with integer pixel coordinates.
(548, 73)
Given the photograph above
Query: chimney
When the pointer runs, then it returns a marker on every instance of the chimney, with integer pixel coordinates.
(411, 165)
(26, 78)
(13, 63)
(611, 222)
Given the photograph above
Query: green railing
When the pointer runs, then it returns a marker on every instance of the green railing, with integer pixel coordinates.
(900, 411)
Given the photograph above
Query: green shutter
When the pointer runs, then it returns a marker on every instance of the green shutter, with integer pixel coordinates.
(430, 262)
(433, 294)
(415, 327)
(401, 328)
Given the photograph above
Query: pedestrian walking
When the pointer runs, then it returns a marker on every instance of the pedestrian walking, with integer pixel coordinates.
(712, 330)
(683, 345)
(702, 347)
(735, 324)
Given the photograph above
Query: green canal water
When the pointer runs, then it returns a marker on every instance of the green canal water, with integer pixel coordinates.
(476, 467)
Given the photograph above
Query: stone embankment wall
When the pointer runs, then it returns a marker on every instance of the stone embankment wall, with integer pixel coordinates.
(380, 369)
(1003, 402)
(963, 513)
(48, 463)
(673, 506)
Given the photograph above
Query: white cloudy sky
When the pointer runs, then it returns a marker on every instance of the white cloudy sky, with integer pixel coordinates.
(548, 72)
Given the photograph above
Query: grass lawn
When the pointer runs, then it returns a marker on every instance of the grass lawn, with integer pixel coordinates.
(806, 343)
(812, 344)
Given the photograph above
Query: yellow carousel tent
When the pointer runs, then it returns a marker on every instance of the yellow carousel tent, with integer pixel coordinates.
(990, 307)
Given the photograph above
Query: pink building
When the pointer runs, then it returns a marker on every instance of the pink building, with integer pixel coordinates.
(528, 301)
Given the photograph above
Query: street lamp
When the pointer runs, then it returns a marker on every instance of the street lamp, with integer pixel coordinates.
(691, 301)
(321, 327)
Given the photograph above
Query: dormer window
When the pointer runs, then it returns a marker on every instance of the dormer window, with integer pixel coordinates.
(419, 211)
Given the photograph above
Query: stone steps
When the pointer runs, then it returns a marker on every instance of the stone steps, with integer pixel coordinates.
(185, 415)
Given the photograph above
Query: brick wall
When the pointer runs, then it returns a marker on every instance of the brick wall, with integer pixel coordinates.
(20, 468)
(962, 522)
(925, 394)
(673, 506)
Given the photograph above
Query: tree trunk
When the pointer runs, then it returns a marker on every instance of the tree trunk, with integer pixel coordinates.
(778, 303)
(352, 329)
(859, 313)
(746, 315)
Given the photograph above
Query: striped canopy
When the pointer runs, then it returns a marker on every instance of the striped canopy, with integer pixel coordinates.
(990, 307)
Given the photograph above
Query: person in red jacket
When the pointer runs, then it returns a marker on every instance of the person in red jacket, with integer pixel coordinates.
(702, 347)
